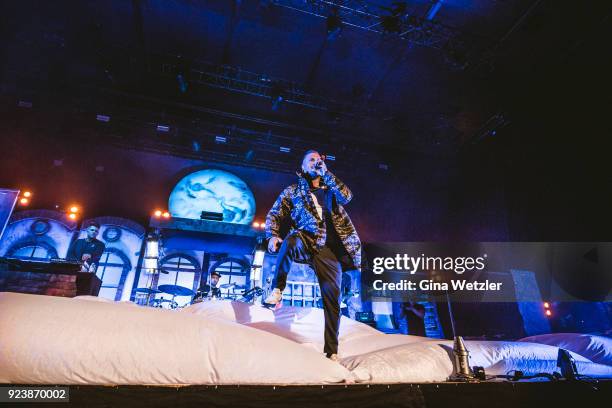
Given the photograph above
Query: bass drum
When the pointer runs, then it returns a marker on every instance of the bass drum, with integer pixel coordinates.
(164, 304)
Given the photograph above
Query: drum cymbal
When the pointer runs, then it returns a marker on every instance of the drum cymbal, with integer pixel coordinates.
(231, 285)
(147, 291)
(176, 290)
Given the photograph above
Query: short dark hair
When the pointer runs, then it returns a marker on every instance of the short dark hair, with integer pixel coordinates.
(308, 152)
(299, 171)
(94, 223)
(215, 273)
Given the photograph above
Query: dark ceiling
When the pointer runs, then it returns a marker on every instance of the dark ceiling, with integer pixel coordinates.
(446, 78)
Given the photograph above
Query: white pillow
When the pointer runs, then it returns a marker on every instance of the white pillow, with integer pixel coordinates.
(54, 340)
(596, 348)
(433, 360)
(417, 362)
(374, 342)
(301, 325)
(104, 300)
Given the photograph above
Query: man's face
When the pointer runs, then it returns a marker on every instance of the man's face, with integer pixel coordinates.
(309, 163)
(92, 231)
(214, 279)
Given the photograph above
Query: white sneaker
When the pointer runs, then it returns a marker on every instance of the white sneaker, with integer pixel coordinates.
(275, 297)
(333, 357)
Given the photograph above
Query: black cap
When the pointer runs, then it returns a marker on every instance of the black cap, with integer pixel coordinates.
(92, 222)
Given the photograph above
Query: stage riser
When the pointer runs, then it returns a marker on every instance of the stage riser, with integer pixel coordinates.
(442, 395)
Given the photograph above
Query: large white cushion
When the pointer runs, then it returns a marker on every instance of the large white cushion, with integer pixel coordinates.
(300, 325)
(46, 339)
(596, 348)
(427, 361)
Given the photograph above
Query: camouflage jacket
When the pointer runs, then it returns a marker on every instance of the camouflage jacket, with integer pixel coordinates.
(297, 203)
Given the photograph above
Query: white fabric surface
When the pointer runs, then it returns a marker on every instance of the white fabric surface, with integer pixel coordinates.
(45, 339)
(427, 361)
(598, 349)
(301, 325)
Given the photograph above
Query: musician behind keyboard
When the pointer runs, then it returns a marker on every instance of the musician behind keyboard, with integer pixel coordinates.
(87, 250)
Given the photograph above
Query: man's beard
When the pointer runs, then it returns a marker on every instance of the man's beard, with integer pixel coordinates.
(309, 175)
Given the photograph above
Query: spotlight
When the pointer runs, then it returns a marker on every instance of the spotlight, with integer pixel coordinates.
(276, 93)
(72, 216)
(276, 102)
(195, 146)
(27, 194)
(285, 149)
(220, 139)
(462, 370)
(259, 253)
(157, 213)
(255, 225)
(151, 258)
(182, 83)
(74, 209)
(166, 214)
(103, 118)
(330, 157)
(547, 310)
(163, 128)
(182, 73)
(24, 201)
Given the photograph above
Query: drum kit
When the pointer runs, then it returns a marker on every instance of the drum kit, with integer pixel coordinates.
(196, 297)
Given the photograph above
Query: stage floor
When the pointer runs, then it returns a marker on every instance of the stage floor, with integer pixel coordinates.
(430, 395)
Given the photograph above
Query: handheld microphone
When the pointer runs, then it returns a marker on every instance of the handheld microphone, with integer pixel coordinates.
(320, 162)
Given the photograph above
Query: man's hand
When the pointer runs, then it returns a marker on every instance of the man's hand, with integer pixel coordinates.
(86, 257)
(322, 168)
(274, 244)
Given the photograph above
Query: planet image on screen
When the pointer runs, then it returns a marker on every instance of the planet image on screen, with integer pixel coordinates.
(214, 191)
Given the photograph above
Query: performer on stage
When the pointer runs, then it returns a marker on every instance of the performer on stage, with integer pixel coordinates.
(414, 315)
(87, 250)
(322, 234)
(214, 282)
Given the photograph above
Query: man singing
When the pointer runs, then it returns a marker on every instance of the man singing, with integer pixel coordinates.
(321, 234)
(87, 250)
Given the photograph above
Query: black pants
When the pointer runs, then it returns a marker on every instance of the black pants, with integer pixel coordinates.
(329, 272)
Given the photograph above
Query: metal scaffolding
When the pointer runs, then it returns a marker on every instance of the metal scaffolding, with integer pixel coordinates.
(367, 16)
(239, 80)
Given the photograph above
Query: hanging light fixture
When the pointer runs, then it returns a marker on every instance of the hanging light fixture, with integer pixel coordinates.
(259, 253)
(151, 258)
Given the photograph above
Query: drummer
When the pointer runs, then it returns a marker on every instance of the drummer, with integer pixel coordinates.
(214, 283)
